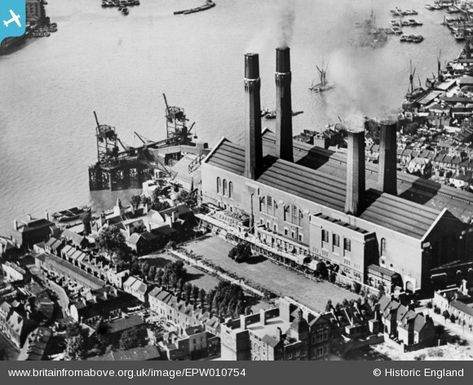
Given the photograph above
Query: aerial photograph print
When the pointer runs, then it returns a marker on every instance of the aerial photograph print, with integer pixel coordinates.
(236, 180)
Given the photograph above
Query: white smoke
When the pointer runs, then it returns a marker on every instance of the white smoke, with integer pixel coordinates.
(286, 16)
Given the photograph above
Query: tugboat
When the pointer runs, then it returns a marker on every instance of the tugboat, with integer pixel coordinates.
(322, 86)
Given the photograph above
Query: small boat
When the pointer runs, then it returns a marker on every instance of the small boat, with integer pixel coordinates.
(395, 23)
(414, 23)
(323, 85)
(459, 36)
(417, 38)
(125, 11)
(396, 30)
(405, 39)
(429, 7)
(405, 23)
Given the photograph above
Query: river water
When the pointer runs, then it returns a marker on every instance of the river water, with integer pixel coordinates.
(119, 66)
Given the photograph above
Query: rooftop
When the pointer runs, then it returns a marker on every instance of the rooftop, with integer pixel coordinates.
(329, 189)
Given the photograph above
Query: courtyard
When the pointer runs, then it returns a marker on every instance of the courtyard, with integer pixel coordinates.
(278, 279)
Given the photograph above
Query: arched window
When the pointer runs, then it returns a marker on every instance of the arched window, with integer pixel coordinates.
(294, 215)
(383, 246)
(224, 187)
(218, 185)
(261, 204)
(230, 189)
(287, 210)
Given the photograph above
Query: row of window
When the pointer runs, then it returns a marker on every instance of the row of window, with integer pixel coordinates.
(336, 240)
(292, 214)
(294, 234)
(225, 188)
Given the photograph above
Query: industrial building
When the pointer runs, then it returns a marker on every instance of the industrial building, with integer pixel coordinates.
(311, 206)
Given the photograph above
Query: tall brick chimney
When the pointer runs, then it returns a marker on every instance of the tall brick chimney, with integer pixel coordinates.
(283, 105)
(387, 175)
(355, 172)
(253, 140)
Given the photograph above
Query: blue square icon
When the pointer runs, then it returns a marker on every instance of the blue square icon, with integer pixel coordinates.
(12, 18)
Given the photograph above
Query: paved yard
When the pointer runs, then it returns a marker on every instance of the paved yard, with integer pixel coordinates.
(196, 277)
(276, 278)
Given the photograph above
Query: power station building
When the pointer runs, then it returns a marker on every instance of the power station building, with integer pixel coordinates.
(310, 206)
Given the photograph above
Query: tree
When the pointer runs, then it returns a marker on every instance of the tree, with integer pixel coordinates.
(356, 287)
(112, 241)
(328, 307)
(446, 314)
(135, 201)
(72, 329)
(202, 297)
(151, 272)
(145, 267)
(195, 293)
(240, 252)
(188, 290)
(75, 348)
(452, 319)
(131, 338)
(110, 238)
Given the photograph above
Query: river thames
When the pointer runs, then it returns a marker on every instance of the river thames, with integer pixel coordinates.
(119, 66)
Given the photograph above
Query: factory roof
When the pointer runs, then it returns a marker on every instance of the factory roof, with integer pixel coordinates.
(400, 215)
(426, 192)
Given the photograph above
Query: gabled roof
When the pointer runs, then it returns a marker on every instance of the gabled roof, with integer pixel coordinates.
(463, 307)
(270, 340)
(73, 237)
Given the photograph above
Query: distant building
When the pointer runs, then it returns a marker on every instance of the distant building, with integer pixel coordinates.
(27, 233)
(275, 334)
(194, 343)
(35, 11)
(412, 330)
(136, 287)
(116, 327)
(14, 273)
(457, 302)
(101, 304)
(14, 325)
(183, 315)
(36, 345)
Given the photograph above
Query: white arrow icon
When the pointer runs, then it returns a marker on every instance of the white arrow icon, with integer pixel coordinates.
(14, 19)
